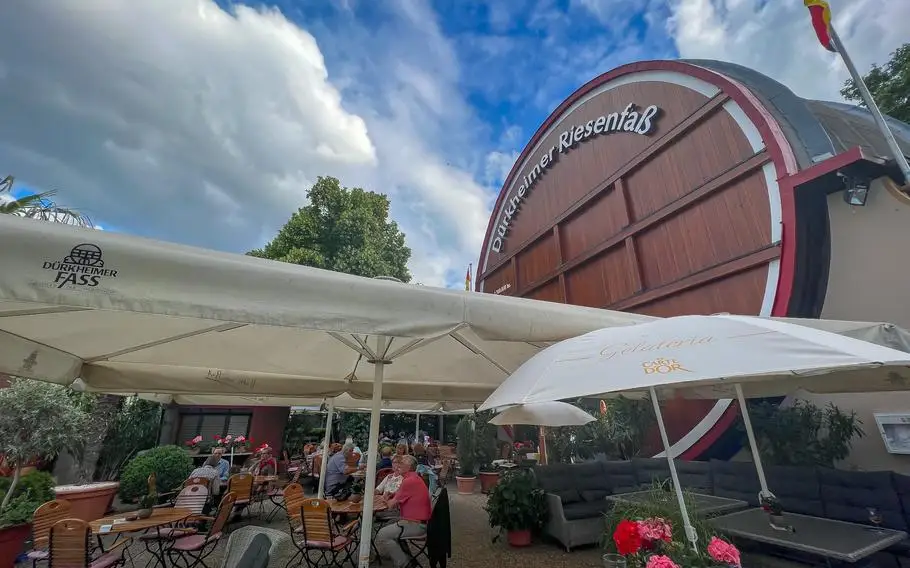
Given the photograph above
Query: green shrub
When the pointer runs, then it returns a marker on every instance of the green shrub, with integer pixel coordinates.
(517, 503)
(39, 485)
(170, 464)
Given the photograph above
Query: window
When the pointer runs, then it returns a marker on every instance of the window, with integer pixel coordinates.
(211, 423)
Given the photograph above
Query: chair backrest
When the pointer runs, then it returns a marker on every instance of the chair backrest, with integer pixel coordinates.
(444, 471)
(317, 520)
(45, 517)
(241, 484)
(293, 501)
(153, 484)
(197, 481)
(353, 459)
(382, 474)
(225, 508)
(193, 497)
(69, 544)
(317, 465)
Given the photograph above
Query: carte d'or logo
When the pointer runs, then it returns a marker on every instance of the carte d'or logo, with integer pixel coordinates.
(663, 366)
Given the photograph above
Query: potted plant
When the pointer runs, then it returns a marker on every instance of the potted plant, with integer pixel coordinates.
(147, 505)
(193, 444)
(517, 506)
(467, 466)
(37, 421)
(489, 477)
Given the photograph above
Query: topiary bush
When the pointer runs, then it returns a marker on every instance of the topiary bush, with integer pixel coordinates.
(170, 464)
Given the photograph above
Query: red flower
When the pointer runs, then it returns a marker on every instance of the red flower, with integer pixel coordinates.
(627, 538)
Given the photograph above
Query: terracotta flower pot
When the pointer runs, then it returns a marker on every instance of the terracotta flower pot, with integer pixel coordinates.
(12, 541)
(465, 484)
(488, 480)
(519, 538)
(90, 501)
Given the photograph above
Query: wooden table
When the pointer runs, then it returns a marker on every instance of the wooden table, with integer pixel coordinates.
(827, 538)
(263, 479)
(703, 505)
(160, 518)
(349, 508)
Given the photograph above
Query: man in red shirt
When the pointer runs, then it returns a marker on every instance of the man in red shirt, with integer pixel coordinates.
(413, 502)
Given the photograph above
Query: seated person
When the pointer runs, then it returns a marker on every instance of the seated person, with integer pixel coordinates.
(266, 464)
(209, 470)
(385, 460)
(413, 502)
(401, 449)
(337, 470)
(388, 486)
(224, 466)
(420, 453)
(424, 469)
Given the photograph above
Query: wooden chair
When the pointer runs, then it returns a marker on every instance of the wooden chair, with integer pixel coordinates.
(293, 501)
(44, 519)
(192, 497)
(317, 466)
(318, 534)
(205, 481)
(382, 474)
(69, 547)
(276, 495)
(445, 473)
(192, 550)
(241, 485)
(416, 546)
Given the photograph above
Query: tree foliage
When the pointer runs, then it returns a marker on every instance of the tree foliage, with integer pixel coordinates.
(37, 420)
(889, 85)
(38, 206)
(342, 229)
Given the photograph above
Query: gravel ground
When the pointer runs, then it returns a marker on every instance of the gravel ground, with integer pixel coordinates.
(471, 543)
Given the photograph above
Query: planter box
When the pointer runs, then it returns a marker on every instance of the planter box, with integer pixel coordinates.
(90, 501)
(12, 541)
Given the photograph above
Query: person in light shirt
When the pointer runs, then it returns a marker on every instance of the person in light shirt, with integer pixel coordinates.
(388, 486)
(224, 466)
(413, 502)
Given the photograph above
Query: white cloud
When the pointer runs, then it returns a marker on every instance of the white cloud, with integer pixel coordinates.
(179, 120)
(776, 37)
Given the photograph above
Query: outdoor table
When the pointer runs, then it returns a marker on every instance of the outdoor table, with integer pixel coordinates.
(703, 505)
(349, 508)
(160, 518)
(837, 540)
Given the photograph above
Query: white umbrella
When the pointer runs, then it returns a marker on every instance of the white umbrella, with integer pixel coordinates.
(707, 357)
(127, 314)
(553, 413)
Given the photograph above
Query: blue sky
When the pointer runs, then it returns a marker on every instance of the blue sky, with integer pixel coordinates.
(204, 123)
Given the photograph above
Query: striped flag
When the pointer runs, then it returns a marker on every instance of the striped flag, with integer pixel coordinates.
(821, 21)
(467, 279)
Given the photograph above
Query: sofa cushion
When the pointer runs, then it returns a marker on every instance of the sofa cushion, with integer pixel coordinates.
(736, 480)
(585, 510)
(553, 478)
(589, 475)
(594, 494)
(649, 471)
(568, 496)
(847, 496)
(797, 488)
(621, 476)
(694, 475)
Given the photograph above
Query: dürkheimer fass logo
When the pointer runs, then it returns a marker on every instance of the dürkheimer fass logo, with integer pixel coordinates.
(629, 120)
(82, 267)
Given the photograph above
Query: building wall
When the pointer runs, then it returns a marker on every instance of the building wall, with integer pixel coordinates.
(870, 266)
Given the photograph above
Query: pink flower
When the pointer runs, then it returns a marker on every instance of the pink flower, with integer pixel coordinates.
(654, 529)
(240, 439)
(197, 439)
(660, 561)
(723, 552)
(227, 439)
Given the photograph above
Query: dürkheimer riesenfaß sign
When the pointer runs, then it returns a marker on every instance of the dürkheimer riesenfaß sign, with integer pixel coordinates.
(629, 120)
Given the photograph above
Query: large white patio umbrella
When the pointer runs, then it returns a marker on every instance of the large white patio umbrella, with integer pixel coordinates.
(709, 357)
(552, 414)
(127, 314)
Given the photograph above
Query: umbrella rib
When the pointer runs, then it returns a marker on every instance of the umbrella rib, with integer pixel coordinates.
(42, 311)
(149, 345)
(363, 350)
(477, 351)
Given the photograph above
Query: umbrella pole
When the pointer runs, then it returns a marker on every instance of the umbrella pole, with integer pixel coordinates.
(542, 445)
(366, 524)
(687, 524)
(753, 445)
(327, 439)
(417, 439)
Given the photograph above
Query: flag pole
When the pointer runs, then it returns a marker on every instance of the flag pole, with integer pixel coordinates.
(870, 104)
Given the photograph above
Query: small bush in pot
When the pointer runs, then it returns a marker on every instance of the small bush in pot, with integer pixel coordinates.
(170, 464)
(467, 458)
(517, 506)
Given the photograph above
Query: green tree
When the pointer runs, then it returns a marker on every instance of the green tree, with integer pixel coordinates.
(38, 206)
(342, 229)
(889, 85)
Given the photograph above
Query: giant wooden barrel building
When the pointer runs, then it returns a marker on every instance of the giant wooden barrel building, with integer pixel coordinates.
(681, 187)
